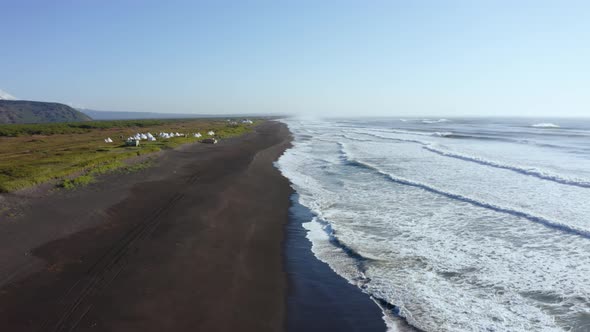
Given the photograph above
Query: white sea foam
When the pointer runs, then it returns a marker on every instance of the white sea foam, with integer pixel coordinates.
(429, 121)
(526, 170)
(565, 227)
(453, 244)
(426, 121)
(541, 174)
(442, 134)
(545, 125)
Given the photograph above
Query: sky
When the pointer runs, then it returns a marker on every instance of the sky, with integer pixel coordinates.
(343, 58)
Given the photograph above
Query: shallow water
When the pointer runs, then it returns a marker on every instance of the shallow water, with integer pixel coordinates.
(319, 300)
(456, 225)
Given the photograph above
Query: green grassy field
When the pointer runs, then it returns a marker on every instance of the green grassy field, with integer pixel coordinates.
(37, 153)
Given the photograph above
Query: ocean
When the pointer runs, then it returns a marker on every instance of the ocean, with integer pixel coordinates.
(452, 224)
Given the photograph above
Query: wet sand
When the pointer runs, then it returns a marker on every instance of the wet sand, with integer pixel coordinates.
(191, 244)
(319, 299)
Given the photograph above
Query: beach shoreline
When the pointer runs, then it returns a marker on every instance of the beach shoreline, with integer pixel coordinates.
(318, 298)
(194, 242)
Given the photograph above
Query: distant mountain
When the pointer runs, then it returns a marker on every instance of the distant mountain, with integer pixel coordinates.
(24, 111)
(114, 115)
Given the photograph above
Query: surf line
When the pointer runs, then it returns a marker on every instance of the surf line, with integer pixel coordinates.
(520, 170)
(536, 219)
(530, 172)
(360, 262)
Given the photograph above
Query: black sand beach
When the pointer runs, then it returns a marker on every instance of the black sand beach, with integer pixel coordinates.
(202, 241)
(191, 244)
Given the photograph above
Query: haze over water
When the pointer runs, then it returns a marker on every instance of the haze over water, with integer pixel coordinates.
(461, 224)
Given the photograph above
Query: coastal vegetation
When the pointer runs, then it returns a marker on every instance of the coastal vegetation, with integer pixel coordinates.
(31, 154)
(14, 130)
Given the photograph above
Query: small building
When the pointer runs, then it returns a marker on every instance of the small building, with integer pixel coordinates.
(132, 142)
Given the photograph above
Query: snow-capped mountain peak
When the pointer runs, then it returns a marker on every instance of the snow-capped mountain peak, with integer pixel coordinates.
(6, 96)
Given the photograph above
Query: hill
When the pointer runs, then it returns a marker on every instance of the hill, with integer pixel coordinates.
(121, 115)
(24, 111)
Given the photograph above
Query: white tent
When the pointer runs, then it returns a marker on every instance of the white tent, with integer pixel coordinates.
(151, 138)
(198, 135)
(144, 136)
(211, 133)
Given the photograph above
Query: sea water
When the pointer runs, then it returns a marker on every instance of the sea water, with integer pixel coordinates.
(452, 224)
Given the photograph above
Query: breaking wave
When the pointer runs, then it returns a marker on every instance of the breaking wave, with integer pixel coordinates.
(529, 171)
(522, 214)
(428, 121)
(526, 171)
(443, 134)
(545, 125)
(451, 235)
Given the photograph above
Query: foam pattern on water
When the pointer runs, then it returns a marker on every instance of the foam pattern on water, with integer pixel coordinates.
(452, 244)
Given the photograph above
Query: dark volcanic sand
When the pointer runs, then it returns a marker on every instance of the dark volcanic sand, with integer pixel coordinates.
(192, 244)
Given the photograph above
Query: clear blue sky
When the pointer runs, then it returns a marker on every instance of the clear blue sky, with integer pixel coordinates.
(321, 57)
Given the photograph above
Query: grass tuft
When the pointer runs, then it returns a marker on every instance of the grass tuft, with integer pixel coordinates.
(81, 180)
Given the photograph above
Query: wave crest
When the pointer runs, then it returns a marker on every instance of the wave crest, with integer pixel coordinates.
(522, 170)
(545, 125)
(443, 134)
(540, 174)
(474, 201)
(429, 121)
